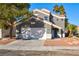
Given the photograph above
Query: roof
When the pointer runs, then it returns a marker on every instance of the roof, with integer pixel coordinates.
(47, 12)
(61, 17)
(41, 11)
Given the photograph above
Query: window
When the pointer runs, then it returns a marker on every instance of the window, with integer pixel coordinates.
(32, 22)
(46, 17)
(57, 19)
(62, 19)
(48, 30)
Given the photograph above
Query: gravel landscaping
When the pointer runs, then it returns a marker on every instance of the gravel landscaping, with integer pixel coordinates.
(5, 41)
(62, 42)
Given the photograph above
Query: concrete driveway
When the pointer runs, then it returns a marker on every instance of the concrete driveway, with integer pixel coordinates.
(26, 45)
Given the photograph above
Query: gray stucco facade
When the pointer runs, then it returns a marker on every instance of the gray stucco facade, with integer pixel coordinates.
(59, 22)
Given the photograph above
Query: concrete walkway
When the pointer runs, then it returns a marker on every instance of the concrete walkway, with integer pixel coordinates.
(35, 45)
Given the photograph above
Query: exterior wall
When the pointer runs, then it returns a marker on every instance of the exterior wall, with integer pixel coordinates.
(41, 15)
(78, 29)
(48, 31)
(0, 33)
(5, 33)
(59, 22)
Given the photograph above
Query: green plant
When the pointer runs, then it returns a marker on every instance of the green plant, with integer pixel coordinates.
(9, 12)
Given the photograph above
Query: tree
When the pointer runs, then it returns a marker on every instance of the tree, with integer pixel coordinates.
(71, 28)
(9, 12)
(59, 9)
(56, 8)
(66, 22)
(62, 10)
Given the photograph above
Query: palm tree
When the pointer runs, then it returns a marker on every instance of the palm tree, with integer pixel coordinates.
(71, 28)
(62, 10)
(59, 9)
(56, 9)
(66, 22)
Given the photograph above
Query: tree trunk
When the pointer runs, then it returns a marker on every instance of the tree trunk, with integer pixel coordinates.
(70, 34)
(11, 30)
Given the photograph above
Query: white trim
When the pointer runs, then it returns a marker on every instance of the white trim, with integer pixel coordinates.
(40, 11)
(47, 22)
(45, 10)
(59, 35)
(51, 24)
(61, 17)
(63, 35)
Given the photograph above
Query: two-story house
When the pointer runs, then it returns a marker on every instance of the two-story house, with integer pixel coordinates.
(43, 25)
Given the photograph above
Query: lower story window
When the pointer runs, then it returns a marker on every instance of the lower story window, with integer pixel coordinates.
(48, 31)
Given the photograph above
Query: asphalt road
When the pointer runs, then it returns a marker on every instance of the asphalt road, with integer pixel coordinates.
(39, 53)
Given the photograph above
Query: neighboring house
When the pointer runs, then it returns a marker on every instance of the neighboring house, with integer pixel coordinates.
(78, 29)
(43, 25)
(5, 32)
(0, 33)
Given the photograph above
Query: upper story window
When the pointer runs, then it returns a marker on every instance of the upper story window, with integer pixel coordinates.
(46, 17)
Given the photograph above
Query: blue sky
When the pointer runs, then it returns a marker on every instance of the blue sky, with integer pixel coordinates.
(72, 10)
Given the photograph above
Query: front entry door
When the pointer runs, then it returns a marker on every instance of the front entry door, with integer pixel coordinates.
(54, 33)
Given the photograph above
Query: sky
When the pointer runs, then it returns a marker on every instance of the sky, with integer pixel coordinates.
(72, 10)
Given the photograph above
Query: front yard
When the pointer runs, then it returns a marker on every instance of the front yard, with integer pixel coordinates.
(54, 47)
(49, 42)
(5, 41)
(62, 42)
